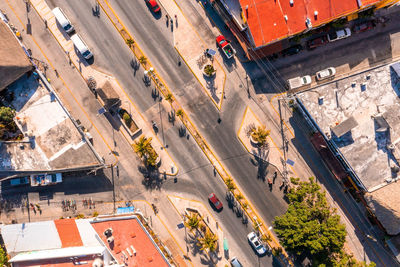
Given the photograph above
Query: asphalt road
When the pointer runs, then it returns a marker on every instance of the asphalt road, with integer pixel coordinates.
(196, 175)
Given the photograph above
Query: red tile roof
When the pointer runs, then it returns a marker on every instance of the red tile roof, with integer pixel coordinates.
(266, 21)
(68, 232)
(127, 233)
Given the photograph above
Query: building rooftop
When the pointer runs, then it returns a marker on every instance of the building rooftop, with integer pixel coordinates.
(267, 23)
(13, 61)
(52, 140)
(129, 235)
(359, 115)
(70, 242)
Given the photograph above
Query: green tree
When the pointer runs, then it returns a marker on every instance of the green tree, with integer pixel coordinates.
(128, 120)
(208, 242)
(260, 135)
(179, 113)
(309, 224)
(192, 221)
(129, 42)
(151, 157)
(6, 115)
(229, 183)
(143, 60)
(143, 146)
(170, 98)
(3, 258)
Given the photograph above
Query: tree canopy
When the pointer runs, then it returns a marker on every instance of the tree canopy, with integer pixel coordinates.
(6, 115)
(310, 225)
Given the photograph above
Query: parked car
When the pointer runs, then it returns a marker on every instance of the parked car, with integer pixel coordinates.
(340, 34)
(215, 201)
(256, 243)
(19, 181)
(314, 43)
(291, 50)
(299, 82)
(45, 179)
(225, 46)
(235, 262)
(153, 5)
(363, 26)
(326, 73)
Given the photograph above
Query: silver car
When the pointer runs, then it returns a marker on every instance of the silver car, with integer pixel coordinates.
(256, 243)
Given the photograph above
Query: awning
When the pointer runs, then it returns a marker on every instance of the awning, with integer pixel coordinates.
(396, 68)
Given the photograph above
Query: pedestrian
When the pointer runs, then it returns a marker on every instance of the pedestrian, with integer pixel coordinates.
(45, 24)
(56, 72)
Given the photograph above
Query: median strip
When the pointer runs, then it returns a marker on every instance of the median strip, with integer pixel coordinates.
(161, 86)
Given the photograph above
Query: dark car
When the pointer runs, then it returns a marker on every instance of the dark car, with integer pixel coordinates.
(320, 41)
(293, 50)
(363, 26)
(153, 5)
(215, 201)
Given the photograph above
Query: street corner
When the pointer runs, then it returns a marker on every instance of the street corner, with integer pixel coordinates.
(256, 139)
(201, 224)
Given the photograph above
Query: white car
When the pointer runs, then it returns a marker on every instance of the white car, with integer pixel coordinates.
(326, 73)
(340, 34)
(299, 82)
(256, 244)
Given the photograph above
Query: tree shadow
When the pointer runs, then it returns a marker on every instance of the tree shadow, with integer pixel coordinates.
(152, 178)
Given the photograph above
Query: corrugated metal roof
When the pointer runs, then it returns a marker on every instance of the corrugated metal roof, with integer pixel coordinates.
(24, 237)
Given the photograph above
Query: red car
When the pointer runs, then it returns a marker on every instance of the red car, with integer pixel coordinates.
(153, 4)
(320, 41)
(215, 201)
(364, 26)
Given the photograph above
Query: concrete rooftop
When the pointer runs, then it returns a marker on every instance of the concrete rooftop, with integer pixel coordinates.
(364, 146)
(363, 110)
(54, 143)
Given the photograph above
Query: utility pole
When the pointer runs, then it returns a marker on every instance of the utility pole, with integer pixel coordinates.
(112, 177)
(285, 172)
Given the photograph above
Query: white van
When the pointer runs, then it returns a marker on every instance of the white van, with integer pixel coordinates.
(63, 20)
(81, 46)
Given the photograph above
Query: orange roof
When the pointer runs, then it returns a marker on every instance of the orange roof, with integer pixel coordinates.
(267, 23)
(127, 233)
(68, 232)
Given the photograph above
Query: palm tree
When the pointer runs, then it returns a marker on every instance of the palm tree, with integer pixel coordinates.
(192, 221)
(179, 113)
(143, 146)
(260, 135)
(170, 98)
(229, 183)
(129, 42)
(239, 197)
(151, 157)
(143, 60)
(208, 242)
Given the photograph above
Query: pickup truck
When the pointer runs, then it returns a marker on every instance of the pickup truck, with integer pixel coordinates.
(225, 46)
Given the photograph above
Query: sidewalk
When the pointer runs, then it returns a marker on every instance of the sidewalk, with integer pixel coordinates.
(52, 210)
(183, 206)
(104, 80)
(191, 48)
